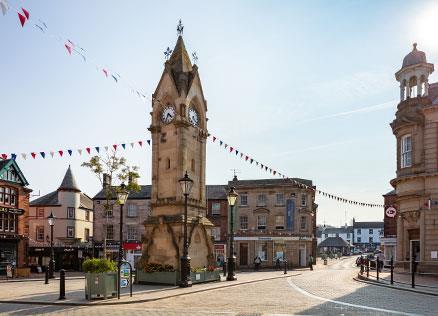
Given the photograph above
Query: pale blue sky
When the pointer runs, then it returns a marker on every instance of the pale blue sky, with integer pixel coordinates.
(306, 87)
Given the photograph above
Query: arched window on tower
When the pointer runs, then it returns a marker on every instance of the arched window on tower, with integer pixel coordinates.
(193, 165)
(423, 85)
(413, 87)
(404, 92)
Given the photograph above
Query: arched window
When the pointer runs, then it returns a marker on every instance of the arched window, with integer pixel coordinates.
(413, 87)
(406, 151)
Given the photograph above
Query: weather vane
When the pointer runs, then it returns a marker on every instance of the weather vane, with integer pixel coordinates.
(195, 58)
(180, 28)
(235, 172)
(167, 53)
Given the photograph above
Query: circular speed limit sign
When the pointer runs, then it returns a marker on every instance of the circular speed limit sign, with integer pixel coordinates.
(390, 211)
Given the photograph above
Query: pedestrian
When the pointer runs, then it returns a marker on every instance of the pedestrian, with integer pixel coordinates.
(381, 258)
(277, 264)
(257, 262)
(311, 262)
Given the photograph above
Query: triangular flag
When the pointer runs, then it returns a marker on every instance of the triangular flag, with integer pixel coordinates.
(241, 155)
(60, 152)
(257, 163)
(52, 153)
(124, 146)
(246, 158)
(88, 149)
(4, 156)
(214, 139)
(22, 19)
(115, 79)
(43, 154)
(70, 152)
(226, 145)
(80, 151)
(68, 47)
(26, 13)
(97, 148)
(115, 147)
(237, 152)
(149, 142)
(132, 145)
(220, 143)
(24, 156)
(105, 72)
(251, 160)
(106, 148)
(33, 155)
(5, 6)
(231, 149)
(140, 143)
(13, 156)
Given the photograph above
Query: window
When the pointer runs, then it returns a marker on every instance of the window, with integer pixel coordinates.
(370, 240)
(8, 196)
(86, 234)
(132, 232)
(348, 235)
(167, 163)
(6, 222)
(359, 239)
(262, 250)
(370, 231)
(406, 151)
(108, 211)
(215, 208)
(70, 232)
(70, 212)
(280, 199)
(279, 222)
(40, 233)
(337, 235)
(109, 232)
(12, 222)
(244, 200)
(132, 210)
(359, 231)
(87, 215)
(40, 212)
(243, 222)
(2, 194)
(216, 233)
(303, 224)
(303, 199)
(261, 200)
(2, 218)
(326, 235)
(261, 222)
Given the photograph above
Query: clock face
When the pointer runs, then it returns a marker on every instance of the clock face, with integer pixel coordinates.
(168, 114)
(193, 117)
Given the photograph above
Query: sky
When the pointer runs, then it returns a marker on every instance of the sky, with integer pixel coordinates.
(306, 87)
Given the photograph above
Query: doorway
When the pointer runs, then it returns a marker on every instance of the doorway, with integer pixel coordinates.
(414, 251)
(302, 256)
(243, 254)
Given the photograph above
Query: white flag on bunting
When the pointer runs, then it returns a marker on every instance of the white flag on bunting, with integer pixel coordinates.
(24, 156)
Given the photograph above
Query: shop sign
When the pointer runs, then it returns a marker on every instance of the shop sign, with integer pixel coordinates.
(131, 246)
(219, 247)
(391, 212)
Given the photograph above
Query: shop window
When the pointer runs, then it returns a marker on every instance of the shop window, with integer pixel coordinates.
(109, 232)
(243, 222)
(280, 199)
(262, 250)
(70, 232)
(132, 210)
(70, 212)
(303, 224)
(40, 233)
(279, 250)
(279, 222)
(244, 200)
(406, 151)
(261, 221)
(261, 200)
(132, 232)
(215, 208)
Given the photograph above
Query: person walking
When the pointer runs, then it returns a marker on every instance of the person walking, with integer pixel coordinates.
(277, 264)
(257, 262)
(311, 262)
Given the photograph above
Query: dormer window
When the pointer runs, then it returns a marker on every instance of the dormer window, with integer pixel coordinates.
(406, 151)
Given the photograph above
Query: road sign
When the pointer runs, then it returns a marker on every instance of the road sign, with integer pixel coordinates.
(391, 212)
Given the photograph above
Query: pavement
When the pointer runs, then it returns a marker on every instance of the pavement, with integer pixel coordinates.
(328, 290)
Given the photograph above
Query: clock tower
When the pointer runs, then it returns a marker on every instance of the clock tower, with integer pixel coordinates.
(179, 133)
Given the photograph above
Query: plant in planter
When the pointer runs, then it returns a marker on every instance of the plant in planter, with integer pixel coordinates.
(156, 273)
(100, 278)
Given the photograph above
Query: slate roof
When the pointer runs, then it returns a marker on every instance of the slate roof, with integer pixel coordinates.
(338, 230)
(368, 224)
(4, 163)
(51, 199)
(333, 242)
(217, 192)
(69, 182)
(272, 182)
(144, 193)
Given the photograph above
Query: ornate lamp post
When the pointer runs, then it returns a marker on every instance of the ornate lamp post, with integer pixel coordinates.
(51, 218)
(232, 197)
(122, 196)
(186, 186)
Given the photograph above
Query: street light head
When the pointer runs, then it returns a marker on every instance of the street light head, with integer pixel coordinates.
(186, 184)
(232, 196)
(122, 194)
(51, 218)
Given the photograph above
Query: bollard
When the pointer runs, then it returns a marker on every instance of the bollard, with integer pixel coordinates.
(46, 281)
(368, 268)
(377, 268)
(413, 271)
(62, 284)
(361, 266)
(285, 267)
(224, 268)
(392, 270)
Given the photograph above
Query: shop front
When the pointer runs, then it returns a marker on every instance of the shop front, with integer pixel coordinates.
(8, 253)
(67, 258)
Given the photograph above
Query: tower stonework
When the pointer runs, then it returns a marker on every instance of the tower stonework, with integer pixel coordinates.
(179, 133)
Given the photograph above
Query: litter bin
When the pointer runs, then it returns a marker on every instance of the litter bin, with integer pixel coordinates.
(325, 262)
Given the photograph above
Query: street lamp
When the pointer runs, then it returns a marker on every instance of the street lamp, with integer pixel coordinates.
(186, 186)
(51, 218)
(232, 197)
(122, 196)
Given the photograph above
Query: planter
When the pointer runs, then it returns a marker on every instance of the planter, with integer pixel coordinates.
(212, 275)
(100, 285)
(171, 278)
(205, 276)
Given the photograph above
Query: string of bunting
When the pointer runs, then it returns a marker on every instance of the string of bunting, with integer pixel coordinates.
(266, 168)
(71, 47)
(70, 152)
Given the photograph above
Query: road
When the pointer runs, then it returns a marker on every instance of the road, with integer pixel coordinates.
(328, 290)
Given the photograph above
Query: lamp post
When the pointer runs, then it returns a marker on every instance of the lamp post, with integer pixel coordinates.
(122, 196)
(186, 186)
(51, 218)
(232, 197)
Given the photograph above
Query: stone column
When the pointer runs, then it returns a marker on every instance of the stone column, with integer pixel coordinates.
(418, 86)
(400, 239)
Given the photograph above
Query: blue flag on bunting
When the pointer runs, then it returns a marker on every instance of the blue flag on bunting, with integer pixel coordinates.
(97, 148)
(124, 146)
(70, 151)
(43, 154)
(13, 156)
(149, 141)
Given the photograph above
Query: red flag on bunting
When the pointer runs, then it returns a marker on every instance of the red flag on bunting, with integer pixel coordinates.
(68, 47)
(115, 147)
(4, 156)
(33, 155)
(60, 152)
(22, 19)
(246, 158)
(140, 143)
(88, 149)
(105, 72)
(26, 13)
(231, 149)
(214, 139)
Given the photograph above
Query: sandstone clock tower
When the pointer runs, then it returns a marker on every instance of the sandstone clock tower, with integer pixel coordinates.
(179, 133)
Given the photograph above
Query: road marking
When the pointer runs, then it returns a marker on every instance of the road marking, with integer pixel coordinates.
(295, 287)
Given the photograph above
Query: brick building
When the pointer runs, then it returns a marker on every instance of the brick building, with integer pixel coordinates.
(389, 239)
(14, 210)
(217, 213)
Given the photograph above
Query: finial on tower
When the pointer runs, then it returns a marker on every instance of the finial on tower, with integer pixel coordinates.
(195, 58)
(167, 53)
(415, 46)
(180, 28)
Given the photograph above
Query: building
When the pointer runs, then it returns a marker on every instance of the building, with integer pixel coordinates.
(107, 222)
(366, 235)
(334, 245)
(217, 213)
(14, 210)
(345, 232)
(72, 231)
(415, 128)
(389, 239)
(274, 218)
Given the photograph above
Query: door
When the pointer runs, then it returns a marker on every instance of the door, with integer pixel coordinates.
(243, 254)
(302, 256)
(414, 251)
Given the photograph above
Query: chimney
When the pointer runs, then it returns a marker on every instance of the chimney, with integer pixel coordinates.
(106, 180)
